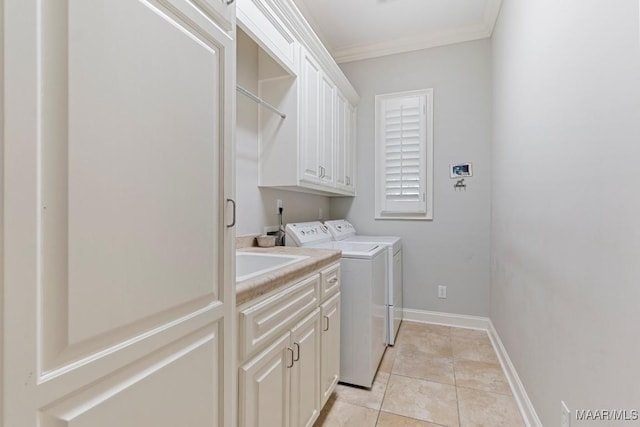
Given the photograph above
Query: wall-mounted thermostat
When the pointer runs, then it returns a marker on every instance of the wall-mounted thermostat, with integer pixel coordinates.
(460, 170)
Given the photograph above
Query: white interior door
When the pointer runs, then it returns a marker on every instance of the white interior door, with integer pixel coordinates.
(118, 298)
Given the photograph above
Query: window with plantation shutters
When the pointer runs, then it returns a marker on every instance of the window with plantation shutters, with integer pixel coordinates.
(404, 155)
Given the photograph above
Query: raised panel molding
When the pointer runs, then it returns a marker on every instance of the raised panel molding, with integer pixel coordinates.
(173, 360)
(62, 349)
(130, 102)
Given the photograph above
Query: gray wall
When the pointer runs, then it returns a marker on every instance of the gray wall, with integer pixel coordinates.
(565, 297)
(1, 207)
(256, 206)
(453, 249)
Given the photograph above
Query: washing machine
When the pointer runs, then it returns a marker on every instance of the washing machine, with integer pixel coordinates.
(343, 231)
(363, 268)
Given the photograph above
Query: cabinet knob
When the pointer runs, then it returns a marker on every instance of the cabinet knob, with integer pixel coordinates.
(229, 2)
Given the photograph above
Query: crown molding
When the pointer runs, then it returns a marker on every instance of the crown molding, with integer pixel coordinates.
(422, 41)
(304, 33)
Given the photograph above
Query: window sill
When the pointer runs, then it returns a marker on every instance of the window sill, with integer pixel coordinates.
(405, 217)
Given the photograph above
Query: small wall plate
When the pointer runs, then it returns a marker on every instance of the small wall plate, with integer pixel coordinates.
(460, 170)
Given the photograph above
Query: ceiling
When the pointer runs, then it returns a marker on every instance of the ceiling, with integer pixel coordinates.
(359, 29)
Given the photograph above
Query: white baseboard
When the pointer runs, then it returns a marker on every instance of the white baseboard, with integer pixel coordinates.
(517, 388)
(446, 319)
(484, 323)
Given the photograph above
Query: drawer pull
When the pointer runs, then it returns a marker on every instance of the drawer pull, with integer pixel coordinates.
(292, 359)
(327, 327)
(297, 352)
(333, 281)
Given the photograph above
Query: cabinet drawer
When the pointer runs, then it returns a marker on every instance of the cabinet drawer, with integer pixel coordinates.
(260, 323)
(329, 281)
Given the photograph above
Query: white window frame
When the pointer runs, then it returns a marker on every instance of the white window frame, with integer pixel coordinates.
(417, 209)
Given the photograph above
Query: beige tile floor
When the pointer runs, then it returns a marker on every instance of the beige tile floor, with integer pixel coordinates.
(434, 376)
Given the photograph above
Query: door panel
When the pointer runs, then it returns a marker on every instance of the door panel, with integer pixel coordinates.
(305, 373)
(264, 385)
(159, 390)
(327, 129)
(136, 186)
(342, 137)
(330, 369)
(310, 103)
(125, 186)
(117, 294)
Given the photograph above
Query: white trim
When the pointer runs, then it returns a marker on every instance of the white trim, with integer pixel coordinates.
(483, 323)
(416, 209)
(422, 41)
(295, 21)
(446, 319)
(517, 388)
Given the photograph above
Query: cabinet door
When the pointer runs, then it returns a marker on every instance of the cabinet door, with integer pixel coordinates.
(264, 387)
(305, 374)
(330, 362)
(350, 149)
(342, 141)
(327, 131)
(118, 298)
(309, 119)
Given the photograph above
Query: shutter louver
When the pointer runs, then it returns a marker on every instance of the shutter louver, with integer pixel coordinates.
(404, 155)
(403, 137)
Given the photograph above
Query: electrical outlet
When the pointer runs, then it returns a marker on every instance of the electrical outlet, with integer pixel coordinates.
(566, 415)
(442, 291)
(278, 206)
(271, 229)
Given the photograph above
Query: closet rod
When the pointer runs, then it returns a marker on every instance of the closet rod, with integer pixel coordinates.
(260, 101)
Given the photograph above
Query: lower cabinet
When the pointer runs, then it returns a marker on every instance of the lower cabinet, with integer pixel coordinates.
(287, 383)
(330, 363)
(281, 386)
(305, 372)
(264, 386)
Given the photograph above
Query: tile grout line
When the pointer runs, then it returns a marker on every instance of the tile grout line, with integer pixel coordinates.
(386, 387)
(455, 381)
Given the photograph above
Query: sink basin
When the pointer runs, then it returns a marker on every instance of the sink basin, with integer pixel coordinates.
(250, 264)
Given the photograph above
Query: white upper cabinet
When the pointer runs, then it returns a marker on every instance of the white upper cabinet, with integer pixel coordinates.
(317, 132)
(311, 149)
(119, 273)
(259, 21)
(309, 139)
(326, 124)
(344, 144)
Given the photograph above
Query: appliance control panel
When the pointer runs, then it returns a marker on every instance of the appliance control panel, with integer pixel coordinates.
(303, 233)
(340, 229)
